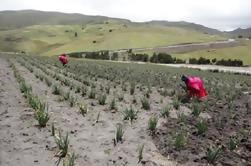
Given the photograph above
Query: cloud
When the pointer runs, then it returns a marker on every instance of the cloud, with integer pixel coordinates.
(222, 14)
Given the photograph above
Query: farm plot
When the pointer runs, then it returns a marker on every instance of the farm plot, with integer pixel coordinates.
(129, 114)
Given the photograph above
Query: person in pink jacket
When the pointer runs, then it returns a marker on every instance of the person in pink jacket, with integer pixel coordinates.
(195, 87)
(63, 59)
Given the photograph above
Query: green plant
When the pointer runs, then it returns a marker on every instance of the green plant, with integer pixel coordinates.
(70, 161)
(195, 109)
(145, 103)
(130, 114)
(180, 141)
(165, 111)
(113, 104)
(182, 118)
(152, 123)
(78, 89)
(92, 93)
(102, 99)
(48, 81)
(140, 155)
(66, 95)
(233, 143)
(248, 105)
(62, 143)
(119, 133)
(176, 103)
(72, 100)
(121, 97)
(83, 91)
(201, 127)
(213, 153)
(56, 90)
(42, 117)
(83, 109)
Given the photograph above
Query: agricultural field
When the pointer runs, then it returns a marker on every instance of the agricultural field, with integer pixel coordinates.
(107, 113)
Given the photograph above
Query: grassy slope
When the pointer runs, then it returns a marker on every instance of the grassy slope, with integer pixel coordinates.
(50, 40)
(240, 52)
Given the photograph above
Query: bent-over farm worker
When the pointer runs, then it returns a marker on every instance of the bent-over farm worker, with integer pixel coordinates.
(63, 59)
(195, 87)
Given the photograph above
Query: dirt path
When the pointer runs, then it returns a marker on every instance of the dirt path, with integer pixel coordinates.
(21, 142)
(93, 142)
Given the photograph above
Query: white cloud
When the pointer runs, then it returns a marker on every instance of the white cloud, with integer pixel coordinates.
(223, 14)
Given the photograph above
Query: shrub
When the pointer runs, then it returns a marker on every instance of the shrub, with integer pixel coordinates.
(132, 88)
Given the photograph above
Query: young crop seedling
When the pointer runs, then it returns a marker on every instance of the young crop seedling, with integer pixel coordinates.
(56, 90)
(113, 104)
(196, 109)
(201, 127)
(165, 111)
(180, 141)
(213, 153)
(62, 143)
(42, 116)
(119, 133)
(83, 91)
(83, 109)
(102, 99)
(233, 143)
(152, 124)
(92, 93)
(176, 103)
(130, 114)
(70, 160)
(145, 103)
(72, 100)
(140, 155)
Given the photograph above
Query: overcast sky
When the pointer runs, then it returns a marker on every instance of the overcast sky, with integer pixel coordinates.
(220, 14)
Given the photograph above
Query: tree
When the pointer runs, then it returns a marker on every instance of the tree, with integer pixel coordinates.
(76, 34)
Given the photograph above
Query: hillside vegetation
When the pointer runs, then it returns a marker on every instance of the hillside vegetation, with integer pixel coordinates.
(55, 39)
(241, 52)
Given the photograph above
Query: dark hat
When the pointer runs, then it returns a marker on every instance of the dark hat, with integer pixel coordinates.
(184, 78)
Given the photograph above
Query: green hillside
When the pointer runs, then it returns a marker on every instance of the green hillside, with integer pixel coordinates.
(55, 39)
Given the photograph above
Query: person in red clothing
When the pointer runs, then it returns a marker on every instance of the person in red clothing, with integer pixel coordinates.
(195, 87)
(63, 59)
